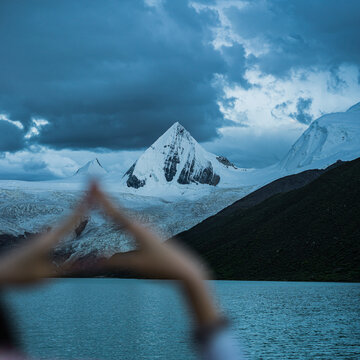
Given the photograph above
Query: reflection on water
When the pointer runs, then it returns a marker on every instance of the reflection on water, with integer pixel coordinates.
(139, 319)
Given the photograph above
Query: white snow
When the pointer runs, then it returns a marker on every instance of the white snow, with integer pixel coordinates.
(32, 209)
(177, 142)
(167, 205)
(330, 138)
(92, 168)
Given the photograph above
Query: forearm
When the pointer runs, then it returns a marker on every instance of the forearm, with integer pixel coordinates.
(169, 260)
(194, 287)
(214, 338)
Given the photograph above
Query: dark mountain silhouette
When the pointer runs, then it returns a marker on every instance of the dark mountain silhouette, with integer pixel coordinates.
(301, 227)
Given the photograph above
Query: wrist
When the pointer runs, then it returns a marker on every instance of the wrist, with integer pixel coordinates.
(204, 333)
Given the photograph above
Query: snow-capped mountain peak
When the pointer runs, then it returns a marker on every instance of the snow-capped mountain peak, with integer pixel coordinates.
(176, 157)
(330, 138)
(92, 167)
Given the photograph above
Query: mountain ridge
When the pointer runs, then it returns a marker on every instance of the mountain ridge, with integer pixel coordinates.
(329, 138)
(306, 234)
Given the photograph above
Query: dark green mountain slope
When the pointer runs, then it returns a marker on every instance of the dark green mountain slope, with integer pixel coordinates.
(311, 233)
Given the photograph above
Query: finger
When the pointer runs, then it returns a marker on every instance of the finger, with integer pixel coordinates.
(93, 188)
(45, 242)
(69, 223)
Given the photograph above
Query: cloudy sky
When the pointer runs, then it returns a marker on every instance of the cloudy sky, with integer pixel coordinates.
(87, 78)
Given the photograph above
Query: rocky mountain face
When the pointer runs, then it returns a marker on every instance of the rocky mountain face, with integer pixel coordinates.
(223, 160)
(176, 157)
(330, 138)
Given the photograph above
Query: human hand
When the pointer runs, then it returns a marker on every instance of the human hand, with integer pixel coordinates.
(153, 257)
(32, 262)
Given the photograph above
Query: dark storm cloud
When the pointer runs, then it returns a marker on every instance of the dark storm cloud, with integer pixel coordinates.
(234, 57)
(116, 74)
(302, 111)
(11, 137)
(302, 34)
(112, 74)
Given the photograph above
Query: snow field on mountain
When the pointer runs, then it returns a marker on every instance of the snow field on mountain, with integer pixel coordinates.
(162, 202)
(330, 138)
(33, 211)
(176, 158)
(93, 168)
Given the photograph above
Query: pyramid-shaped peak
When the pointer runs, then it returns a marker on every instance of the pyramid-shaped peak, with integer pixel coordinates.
(176, 125)
(176, 128)
(92, 167)
(94, 162)
(175, 157)
(175, 134)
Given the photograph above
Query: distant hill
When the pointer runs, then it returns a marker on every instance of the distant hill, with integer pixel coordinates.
(310, 233)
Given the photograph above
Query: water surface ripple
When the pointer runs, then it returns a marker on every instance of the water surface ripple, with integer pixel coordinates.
(141, 319)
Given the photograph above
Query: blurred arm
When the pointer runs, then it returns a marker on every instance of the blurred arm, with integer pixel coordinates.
(157, 259)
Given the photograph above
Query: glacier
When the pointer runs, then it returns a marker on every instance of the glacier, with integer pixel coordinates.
(174, 196)
(34, 210)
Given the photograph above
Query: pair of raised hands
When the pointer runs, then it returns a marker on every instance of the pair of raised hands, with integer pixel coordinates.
(152, 259)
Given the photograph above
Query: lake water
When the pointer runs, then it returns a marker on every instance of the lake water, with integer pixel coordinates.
(141, 319)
